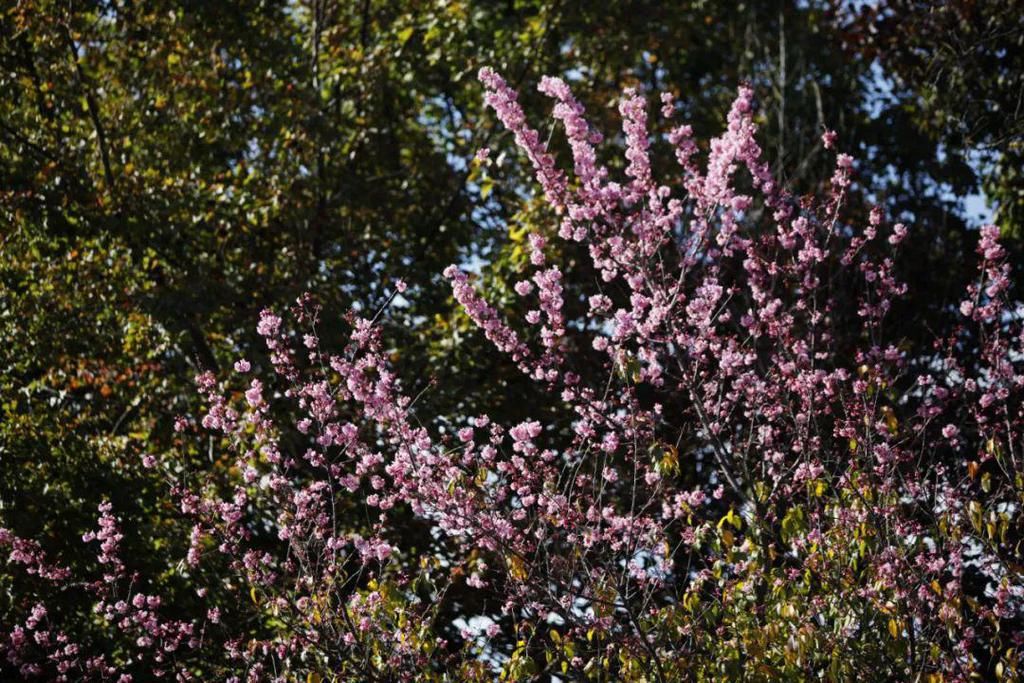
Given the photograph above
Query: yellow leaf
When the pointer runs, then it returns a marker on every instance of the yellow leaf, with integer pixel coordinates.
(516, 569)
(894, 629)
(890, 419)
(730, 518)
(975, 510)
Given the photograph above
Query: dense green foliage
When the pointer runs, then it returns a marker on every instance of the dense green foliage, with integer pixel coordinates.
(962, 63)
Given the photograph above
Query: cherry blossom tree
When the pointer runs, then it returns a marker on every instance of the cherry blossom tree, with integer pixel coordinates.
(749, 476)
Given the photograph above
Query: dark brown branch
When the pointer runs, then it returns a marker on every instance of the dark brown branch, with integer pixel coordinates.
(92, 108)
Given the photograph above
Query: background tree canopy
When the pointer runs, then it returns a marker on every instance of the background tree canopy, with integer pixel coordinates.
(168, 169)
